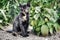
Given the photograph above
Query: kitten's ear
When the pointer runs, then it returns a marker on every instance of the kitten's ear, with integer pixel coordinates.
(28, 4)
(20, 5)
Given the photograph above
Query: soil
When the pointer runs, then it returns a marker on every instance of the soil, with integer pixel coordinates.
(8, 36)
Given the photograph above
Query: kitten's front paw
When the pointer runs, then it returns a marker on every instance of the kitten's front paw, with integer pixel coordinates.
(14, 34)
(26, 35)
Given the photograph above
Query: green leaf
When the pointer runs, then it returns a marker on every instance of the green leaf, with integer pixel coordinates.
(36, 16)
(38, 29)
(57, 27)
(3, 13)
(51, 30)
(44, 30)
(47, 15)
(41, 22)
(49, 24)
(37, 9)
(52, 19)
(1, 21)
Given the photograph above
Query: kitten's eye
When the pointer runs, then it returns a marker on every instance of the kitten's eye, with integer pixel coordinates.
(28, 4)
(23, 14)
(21, 9)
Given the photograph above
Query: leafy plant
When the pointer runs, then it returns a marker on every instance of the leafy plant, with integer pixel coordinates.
(44, 14)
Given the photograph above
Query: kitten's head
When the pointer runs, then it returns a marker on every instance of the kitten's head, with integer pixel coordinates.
(24, 7)
(24, 10)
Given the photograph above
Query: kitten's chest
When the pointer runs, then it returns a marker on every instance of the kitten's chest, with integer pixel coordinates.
(25, 17)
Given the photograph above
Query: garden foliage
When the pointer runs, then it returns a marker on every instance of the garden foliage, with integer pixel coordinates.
(44, 14)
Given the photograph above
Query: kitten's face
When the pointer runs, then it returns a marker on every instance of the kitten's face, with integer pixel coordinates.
(25, 8)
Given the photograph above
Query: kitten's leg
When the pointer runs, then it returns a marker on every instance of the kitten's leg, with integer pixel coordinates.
(23, 30)
(27, 23)
(26, 27)
(15, 25)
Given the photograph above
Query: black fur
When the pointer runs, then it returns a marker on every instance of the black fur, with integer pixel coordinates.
(20, 24)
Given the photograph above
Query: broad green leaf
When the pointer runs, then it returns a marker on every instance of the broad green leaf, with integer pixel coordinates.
(57, 27)
(41, 22)
(51, 30)
(47, 15)
(3, 13)
(1, 21)
(37, 9)
(52, 19)
(36, 16)
(38, 29)
(44, 30)
(33, 23)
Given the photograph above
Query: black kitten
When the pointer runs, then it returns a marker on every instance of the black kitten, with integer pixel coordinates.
(21, 22)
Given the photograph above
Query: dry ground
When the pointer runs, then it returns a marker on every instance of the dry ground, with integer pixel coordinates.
(8, 36)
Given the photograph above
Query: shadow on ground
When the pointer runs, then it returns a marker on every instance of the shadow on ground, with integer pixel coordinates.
(8, 36)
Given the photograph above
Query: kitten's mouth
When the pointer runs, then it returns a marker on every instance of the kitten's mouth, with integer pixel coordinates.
(24, 18)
